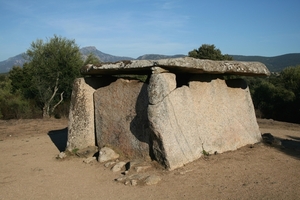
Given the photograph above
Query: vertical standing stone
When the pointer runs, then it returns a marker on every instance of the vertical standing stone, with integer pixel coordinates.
(209, 115)
(81, 117)
(121, 117)
(81, 128)
(173, 120)
(225, 112)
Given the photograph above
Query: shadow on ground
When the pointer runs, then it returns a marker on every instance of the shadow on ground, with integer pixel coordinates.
(288, 146)
(59, 138)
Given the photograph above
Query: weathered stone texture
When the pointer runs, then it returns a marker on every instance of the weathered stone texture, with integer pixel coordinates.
(210, 114)
(107, 154)
(81, 116)
(81, 128)
(179, 65)
(161, 86)
(121, 117)
(186, 109)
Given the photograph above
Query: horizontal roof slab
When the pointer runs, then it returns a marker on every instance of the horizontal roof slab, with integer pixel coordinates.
(177, 65)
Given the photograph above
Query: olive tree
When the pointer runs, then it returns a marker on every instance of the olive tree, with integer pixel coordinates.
(52, 65)
(210, 52)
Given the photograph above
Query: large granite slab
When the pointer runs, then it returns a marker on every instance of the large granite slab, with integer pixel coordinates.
(178, 65)
(208, 114)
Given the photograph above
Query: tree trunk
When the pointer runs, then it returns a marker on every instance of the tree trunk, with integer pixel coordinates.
(46, 108)
(46, 113)
(61, 99)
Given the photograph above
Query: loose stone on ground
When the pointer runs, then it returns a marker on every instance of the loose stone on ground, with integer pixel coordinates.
(61, 155)
(118, 167)
(89, 160)
(87, 152)
(152, 180)
(106, 154)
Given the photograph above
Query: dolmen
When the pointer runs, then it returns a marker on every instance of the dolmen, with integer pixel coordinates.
(183, 108)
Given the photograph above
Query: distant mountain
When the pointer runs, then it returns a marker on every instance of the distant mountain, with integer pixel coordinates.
(110, 58)
(158, 56)
(85, 51)
(274, 64)
(6, 65)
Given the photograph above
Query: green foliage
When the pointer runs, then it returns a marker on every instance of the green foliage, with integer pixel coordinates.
(204, 152)
(142, 78)
(21, 81)
(290, 77)
(91, 59)
(12, 105)
(278, 96)
(74, 151)
(210, 52)
(48, 76)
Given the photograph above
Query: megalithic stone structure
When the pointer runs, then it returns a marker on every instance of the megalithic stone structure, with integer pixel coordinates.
(183, 109)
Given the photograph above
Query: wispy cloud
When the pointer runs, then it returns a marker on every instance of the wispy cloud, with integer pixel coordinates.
(134, 27)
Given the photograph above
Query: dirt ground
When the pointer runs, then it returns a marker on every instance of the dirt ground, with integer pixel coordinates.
(29, 169)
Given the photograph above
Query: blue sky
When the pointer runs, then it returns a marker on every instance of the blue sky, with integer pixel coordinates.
(137, 27)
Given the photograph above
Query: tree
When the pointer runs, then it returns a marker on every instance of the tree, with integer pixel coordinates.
(278, 96)
(210, 52)
(52, 67)
(91, 59)
(290, 77)
(21, 79)
(12, 105)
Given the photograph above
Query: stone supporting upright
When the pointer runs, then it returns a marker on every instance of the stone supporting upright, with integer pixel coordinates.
(81, 128)
(81, 116)
(206, 115)
(121, 118)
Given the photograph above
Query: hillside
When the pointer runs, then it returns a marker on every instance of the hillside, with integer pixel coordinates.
(157, 56)
(104, 57)
(274, 64)
(6, 65)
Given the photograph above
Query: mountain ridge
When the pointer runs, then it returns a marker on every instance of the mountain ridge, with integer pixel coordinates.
(274, 63)
(104, 57)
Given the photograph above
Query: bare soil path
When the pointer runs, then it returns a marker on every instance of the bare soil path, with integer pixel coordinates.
(29, 169)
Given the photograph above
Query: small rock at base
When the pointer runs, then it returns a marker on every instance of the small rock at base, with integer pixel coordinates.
(152, 180)
(106, 154)
(89, 160)
(120, 179)
(62, 155)
(126, 182)
(137, 176)
(87, 152)
(118, 166)
(133, 182)
(142, 168)
(108, 164)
